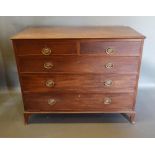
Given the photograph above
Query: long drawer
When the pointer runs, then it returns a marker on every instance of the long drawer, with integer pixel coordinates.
(78, 83)
(111, 48)
(78, 102)
(79, 64)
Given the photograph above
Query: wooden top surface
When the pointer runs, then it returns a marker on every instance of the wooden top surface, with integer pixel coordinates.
(105, 32)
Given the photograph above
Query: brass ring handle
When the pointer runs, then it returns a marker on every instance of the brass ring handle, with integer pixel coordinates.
(108, 83)
(46, 51)
(49, 83)
(109, 51)
(107, 100)
(51, 101)
(109, 65)
(48, 65)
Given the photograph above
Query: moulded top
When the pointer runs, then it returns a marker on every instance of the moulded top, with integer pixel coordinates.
(80, 32)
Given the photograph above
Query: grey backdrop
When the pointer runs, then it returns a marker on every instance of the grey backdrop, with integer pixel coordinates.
(11, 25)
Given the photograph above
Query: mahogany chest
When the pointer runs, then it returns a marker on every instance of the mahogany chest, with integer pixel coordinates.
(78, 69)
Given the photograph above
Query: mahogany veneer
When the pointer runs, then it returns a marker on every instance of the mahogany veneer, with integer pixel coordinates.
(78, 102)
(78, 83)
(78, 64)
(79, 69)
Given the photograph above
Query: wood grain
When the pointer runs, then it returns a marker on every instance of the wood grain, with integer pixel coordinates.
(121, 48)
(78, 64)
(78, 32)
(78, 83)
(34, 47)
(77, 102)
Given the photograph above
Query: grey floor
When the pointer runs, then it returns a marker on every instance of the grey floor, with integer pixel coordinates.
(81, 126)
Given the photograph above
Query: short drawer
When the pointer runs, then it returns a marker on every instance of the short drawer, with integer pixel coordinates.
(78, 64)
(111, 48)
(45, 47)
(78, 83)
(78, 102)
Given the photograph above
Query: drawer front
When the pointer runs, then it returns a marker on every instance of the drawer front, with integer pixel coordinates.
(79, 64)
(78, 102)
(45, 47)
(78, 83)
(111, 48)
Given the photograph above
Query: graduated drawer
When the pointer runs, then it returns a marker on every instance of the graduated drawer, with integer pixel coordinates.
(79, 64)
(78, 102)
(111, 48)
(77, 83)
(45, 47)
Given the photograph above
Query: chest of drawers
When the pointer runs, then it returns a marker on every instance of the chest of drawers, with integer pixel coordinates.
(78, 69)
